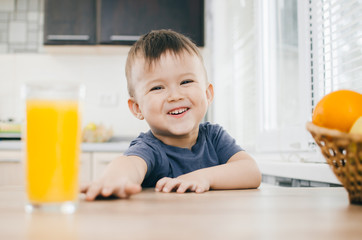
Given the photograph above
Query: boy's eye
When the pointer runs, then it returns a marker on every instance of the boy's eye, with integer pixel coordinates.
(186, 81)
(156, 88)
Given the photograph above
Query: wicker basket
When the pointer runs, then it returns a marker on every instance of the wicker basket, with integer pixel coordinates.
(343, 152)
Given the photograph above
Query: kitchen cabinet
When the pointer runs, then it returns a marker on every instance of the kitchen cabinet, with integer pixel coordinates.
(119, 21)
(123, 21)
(69, 22)
(85, 170)
(11, 168)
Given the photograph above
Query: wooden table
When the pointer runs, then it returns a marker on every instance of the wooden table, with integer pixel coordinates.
(265, 213)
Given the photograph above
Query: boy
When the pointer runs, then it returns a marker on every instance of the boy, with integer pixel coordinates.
(168, 87)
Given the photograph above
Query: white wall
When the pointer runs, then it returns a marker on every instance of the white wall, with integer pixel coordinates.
(100, 69)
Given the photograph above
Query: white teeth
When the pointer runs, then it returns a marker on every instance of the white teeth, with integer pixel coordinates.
(178, 111)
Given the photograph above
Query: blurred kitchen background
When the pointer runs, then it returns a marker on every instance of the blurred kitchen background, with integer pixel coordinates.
(270, 62)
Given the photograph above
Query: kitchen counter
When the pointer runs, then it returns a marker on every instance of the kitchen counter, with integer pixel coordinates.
(319, 172)
(265, 213)
(116, 145)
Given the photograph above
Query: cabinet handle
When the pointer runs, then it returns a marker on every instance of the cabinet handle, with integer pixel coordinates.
(104, 161)
(68, 37)
(124, 37)
(10, 161)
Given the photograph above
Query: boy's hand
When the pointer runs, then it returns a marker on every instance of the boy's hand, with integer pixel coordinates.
(121, 178)
(120, 188)
(191, 181)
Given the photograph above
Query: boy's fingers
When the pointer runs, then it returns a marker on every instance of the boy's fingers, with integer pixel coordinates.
(84, 188)
(161, 183)
(183, 187)
(109, 188)
(93, 191)
(171, 184)
(107, 191)
(200, 190)
(131, 189)
(121, 191)
(126, 190)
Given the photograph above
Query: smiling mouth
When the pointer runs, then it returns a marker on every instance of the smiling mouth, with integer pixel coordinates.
(178, 111)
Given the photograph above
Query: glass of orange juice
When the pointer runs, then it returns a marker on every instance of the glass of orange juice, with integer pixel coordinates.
(52, 146)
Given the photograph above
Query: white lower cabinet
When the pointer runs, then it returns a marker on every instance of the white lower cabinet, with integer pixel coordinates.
(12, 170)
(85, 168)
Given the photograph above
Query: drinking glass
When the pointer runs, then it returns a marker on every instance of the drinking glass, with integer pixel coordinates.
(52, 146)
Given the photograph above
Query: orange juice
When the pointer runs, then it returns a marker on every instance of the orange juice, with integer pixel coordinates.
(52, 150)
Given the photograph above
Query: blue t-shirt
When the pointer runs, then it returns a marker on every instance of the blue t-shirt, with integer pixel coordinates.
(214, 146)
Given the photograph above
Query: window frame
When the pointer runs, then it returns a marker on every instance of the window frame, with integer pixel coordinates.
(290, 138)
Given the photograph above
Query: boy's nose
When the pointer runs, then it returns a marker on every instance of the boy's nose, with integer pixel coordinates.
(174, 95)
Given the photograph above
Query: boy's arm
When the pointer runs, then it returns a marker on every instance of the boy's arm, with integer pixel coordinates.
(239, 172)
(122, 178)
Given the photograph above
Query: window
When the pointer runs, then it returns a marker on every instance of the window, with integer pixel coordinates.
(234, 56)
(272, 62)
(336, 42)
(282, 92)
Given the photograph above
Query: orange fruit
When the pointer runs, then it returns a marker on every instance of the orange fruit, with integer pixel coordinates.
(338, 110)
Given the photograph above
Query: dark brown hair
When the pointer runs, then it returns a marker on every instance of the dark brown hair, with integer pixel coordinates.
(155, 43)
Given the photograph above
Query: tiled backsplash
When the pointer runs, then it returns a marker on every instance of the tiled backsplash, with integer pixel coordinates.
(101, 72)
(21, 26)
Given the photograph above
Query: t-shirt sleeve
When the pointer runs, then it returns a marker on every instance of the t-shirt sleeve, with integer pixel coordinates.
(145, 151)
(224, 144)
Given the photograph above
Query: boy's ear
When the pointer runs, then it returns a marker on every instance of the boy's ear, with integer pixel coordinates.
(210, 93)
(135, 109)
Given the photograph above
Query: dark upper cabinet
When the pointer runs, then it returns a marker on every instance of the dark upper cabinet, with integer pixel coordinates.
(70, 22)
(119, 21)
(123, 21)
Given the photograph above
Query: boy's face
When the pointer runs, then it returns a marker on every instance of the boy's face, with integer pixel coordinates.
(172, 96)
